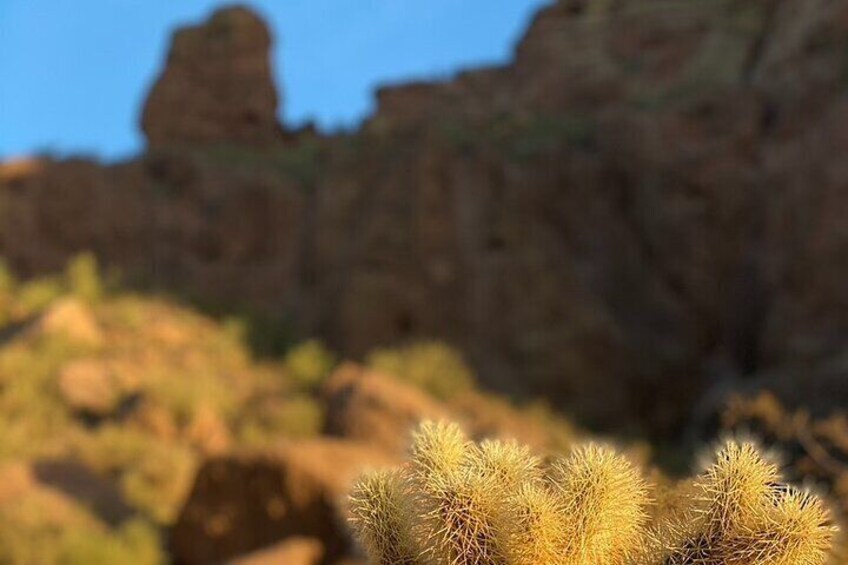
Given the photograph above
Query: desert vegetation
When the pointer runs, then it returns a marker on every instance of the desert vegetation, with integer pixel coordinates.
(111, 400)
(596, 259)
(108, 402)
(458, 502)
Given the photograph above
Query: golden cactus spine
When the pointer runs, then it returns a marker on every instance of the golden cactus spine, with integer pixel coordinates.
(742, 514)
(380, 514)
(494, 503)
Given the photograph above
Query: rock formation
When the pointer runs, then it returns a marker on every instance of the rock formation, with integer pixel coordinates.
(244, 502)
(217, 86)
(644, 209)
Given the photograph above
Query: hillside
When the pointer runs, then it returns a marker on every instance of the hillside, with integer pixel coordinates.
(116, 409)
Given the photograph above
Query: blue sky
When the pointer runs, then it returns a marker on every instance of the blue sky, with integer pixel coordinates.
(73, 73)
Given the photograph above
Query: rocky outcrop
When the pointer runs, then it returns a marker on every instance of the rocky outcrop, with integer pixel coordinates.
(246, 502)
(645, 207)
(217, 86)
(68, 319)
(90, 387)
(369, 407)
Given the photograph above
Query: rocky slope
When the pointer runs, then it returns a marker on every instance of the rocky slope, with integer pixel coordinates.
(134, 429)
(644, 210)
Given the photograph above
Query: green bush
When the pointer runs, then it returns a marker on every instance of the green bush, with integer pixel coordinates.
(432, 366)
(41, 530)
(34, 296)
(154, 475)
(7, 289)
(136, 542)
(308, 364)
(291, 418)
(33, 418)
(83, 278)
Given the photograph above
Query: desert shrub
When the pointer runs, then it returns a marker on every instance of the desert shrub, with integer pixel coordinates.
(21, 300)
(82, 276)
(135, 542)
(33, 418)
(307, 365)
(432, 366)
(39, 528)
(34, 296)
(159, 483)
(283, 418)
(184, 395)
(494, 503)
(7, 279)
(154, 475)
(7, 289)
(235, 328)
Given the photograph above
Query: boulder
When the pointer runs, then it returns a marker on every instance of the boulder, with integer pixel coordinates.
(89, 386)
(208, 432)
(247, 501)
(367, 406)
(71, 319)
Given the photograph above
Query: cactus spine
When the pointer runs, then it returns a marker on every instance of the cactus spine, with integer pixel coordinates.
(460, 503)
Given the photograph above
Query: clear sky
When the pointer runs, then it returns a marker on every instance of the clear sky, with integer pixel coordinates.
(73, 73)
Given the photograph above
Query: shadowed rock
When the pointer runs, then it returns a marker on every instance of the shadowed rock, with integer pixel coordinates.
(217, 86)
(245, 502)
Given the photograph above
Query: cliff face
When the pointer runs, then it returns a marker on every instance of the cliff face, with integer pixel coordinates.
(646, 208)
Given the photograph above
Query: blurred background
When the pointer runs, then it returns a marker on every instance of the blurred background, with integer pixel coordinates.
(245, 249)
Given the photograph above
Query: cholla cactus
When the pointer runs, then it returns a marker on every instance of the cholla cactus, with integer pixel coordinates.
(459, 503)
(378, 507)
(741, 514)
(494, 504)
(459, 495)
(605, 498)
